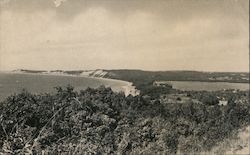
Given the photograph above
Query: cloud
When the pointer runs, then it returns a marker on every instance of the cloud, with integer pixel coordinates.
(124, 34)
(59, 2)
(165, 8)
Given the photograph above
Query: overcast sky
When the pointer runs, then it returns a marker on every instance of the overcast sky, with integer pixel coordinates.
(205, 35)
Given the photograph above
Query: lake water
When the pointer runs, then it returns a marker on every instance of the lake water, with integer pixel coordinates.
(208, 86)
(11, 83)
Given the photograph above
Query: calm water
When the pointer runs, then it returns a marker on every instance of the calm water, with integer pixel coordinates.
(13, 83)
(208, 86)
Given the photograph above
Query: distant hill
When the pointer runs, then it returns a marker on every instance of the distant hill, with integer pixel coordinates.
(131, 75)
(144, 80)
(149, 76)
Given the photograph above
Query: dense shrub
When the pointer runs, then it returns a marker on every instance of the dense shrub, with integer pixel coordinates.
(209, 99)
(154, 91)
(100, 121)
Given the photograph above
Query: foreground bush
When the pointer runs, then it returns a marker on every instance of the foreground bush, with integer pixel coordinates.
(99, 121)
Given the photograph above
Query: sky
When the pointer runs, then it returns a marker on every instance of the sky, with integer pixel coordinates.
(203, 35)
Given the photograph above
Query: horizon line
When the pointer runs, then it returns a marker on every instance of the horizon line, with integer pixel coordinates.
(180, 70)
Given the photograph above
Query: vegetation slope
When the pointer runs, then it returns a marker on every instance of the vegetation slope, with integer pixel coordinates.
(100, 121)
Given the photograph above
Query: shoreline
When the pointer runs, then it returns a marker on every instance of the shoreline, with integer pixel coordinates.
(128, 87)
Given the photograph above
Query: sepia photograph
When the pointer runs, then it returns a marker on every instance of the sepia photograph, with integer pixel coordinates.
(124, 77)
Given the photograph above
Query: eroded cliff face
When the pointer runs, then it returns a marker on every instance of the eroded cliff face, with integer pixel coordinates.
(129, 88)
(98, 73)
